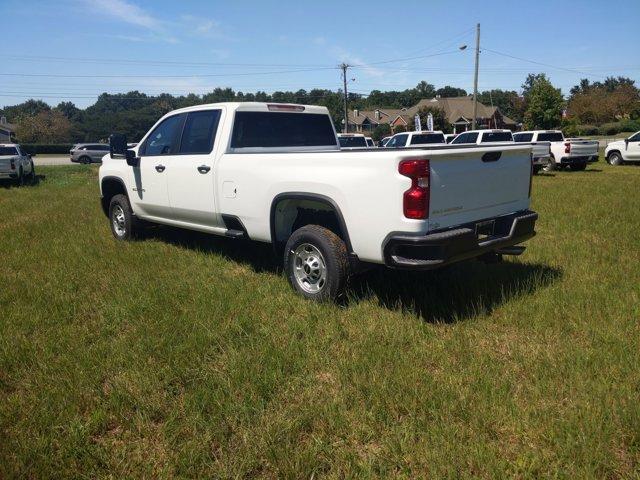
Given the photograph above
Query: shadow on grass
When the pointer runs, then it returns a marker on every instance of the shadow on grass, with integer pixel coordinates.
(448, 295)
(456, 292)
(9, 184)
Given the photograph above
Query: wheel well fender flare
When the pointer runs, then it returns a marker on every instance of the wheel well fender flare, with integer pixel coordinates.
(315, 197)
(107, 193)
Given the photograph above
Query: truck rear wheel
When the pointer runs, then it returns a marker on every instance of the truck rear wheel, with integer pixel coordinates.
(124, 225)
(550, 166)
(317, 263)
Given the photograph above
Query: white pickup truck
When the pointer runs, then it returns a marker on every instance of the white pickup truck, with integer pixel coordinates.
(415, 139)
(574, 153)
(275, 173)
(16, 164)
(481, 137)
(541, 151)
(352, 140)
(627, 150)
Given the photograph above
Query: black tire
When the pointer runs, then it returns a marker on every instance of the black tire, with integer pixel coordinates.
(536, 169)
(32, 176)
(550, 166)
(84, 159)
(576, 167)
(615, 159)
(321, 277)
(20, 179)
(120, 214)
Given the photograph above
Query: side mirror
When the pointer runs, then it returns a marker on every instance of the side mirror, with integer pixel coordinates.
(118, 148)
(117, 145)
(626, 143)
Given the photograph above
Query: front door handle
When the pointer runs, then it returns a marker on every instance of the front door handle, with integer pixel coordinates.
(160, 168)
(204, 168)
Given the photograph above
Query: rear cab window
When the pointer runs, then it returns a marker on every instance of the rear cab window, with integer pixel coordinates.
(8, 151)
(550, 137)
(523, 137)
(283, 129)
(351, 142)
(493, 137)
(427, 138)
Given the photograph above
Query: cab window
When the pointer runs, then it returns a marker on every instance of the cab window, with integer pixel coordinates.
(163, 138)
(199, 132)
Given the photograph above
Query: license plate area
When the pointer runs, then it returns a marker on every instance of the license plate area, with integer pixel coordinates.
(485, 229)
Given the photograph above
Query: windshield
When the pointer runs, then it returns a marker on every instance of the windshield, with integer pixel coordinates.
(491, 137)
(351, 142)
(550, 137)
(425, 138)
(8, 151)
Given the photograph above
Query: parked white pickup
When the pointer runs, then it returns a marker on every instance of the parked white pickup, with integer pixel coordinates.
(575, 153)
(541, 150)
(627, 150)
(415, 139)
(275, 173)
(480, 137)
(16, 164)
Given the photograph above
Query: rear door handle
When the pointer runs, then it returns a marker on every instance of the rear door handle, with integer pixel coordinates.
(204, 168)
(160, 168)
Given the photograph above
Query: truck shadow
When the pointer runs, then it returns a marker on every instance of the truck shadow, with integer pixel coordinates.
(452, 294)
(455, 293)
(9, 184)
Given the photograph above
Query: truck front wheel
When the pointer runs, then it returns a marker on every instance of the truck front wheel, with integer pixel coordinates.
(124, 224)
(317, 263)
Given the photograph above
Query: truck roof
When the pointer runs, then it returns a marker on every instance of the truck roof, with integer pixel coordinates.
(540, 131)
(350, 135)
(488, 130)
(258, 107)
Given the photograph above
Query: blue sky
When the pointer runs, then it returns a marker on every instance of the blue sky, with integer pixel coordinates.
(75, 49)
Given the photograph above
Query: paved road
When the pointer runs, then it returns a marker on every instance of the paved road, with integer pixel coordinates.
(61, 160)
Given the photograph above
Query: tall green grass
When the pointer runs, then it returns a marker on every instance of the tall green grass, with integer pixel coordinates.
(186, 355)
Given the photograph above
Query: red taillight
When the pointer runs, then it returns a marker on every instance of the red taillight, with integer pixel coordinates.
(13, 164)
(416, 200)
(567, 147)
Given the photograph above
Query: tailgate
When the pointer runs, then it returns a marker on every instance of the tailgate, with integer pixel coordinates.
(5, 163)
(583, 148)
(541, 149)
(479, 183)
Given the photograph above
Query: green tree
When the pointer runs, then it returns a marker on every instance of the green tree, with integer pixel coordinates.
(544, 104)
(45, 127)
(449, 91)
(439, 119)
(381, 131)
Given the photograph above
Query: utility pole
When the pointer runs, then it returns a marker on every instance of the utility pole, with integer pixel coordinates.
(475, 80)
(344, 67)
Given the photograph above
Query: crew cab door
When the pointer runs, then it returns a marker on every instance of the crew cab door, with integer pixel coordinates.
(633, 148)
(150, 194)
(190, 173)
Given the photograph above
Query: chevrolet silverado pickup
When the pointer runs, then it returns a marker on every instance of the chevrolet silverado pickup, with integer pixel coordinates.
(541, 151)
(627, 150)
(574, 153)
(275, 173)
(16, 164)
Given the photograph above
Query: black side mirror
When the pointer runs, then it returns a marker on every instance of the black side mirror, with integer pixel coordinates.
(626, 143)
(118, 148)
(117, 145)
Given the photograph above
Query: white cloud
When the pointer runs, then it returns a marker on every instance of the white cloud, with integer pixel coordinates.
(126, 12)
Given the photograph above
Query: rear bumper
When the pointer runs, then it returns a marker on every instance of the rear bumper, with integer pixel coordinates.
(584, 159)
(435, 250)
(5, 175)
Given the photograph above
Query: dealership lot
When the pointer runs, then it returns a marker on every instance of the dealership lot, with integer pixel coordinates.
(206, 364)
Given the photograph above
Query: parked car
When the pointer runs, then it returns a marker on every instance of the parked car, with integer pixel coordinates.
(384, 141)
(627, 150)
(449, 137)
(480, 137)
(352, 140)
(16, 164)
(574, 153)
(541, 150)
(412, 139)
(370, 142)
(276, 173)
(88, 152)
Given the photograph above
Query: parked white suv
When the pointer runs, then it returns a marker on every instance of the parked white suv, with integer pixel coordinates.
(574, 153)
(16, 164)
(275, 173)
(413, 139)
(627, 150)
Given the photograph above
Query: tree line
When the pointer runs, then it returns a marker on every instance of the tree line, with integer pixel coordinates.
(613, 103)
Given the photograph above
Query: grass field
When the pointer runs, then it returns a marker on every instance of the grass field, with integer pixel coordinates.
(185, 355)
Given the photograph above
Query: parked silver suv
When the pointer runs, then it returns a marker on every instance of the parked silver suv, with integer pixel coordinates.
(88, 152)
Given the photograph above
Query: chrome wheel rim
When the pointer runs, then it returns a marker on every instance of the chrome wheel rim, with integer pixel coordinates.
(548, 166)
(118, 220)
(614, 159)
(309, 268)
